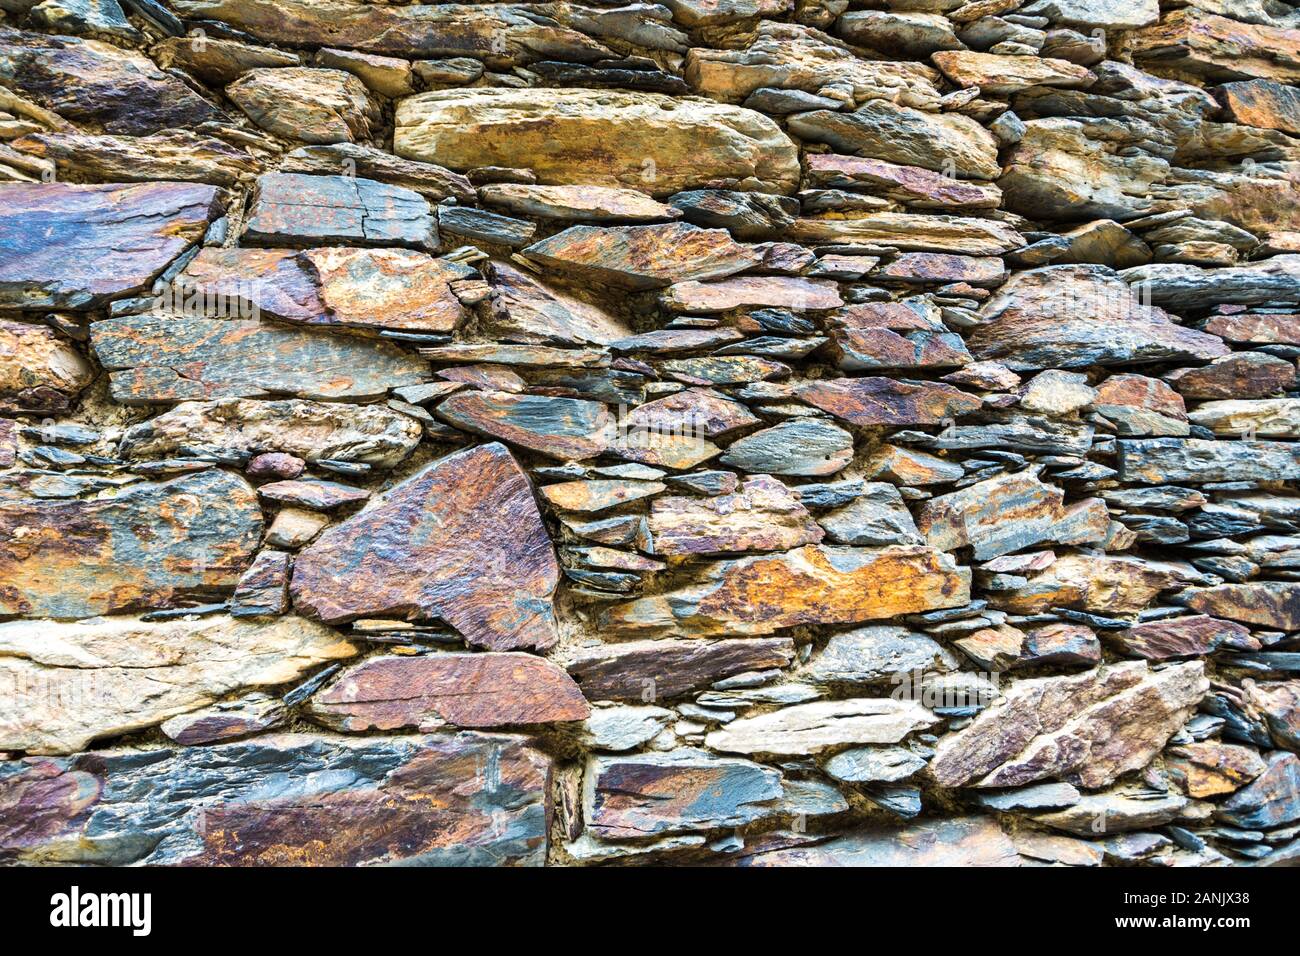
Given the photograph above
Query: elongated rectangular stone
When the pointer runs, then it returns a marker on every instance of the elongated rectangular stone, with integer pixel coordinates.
(1156, 461)
(67, 685)
(648, 141)
(814, 584)
(150, 546)
(463, 800)
(160, 358)
(662, 669)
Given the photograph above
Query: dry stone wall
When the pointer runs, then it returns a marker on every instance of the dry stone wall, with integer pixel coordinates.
(740, 432)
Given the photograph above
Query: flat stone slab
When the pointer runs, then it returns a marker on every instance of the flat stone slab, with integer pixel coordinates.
(153, 545)
(77, 247)
(463, 800)
(629, 670)
(100, 87)
(649, 141)
(1086, 729)
(814, 584)
(142, 673)
(156, 357)
(371, 434)
(293, 209)
(332, 286)
(460, 541)
(463, 690)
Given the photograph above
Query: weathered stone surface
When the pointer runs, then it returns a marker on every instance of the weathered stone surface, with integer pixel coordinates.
(663, 669)
(1210, 768)
(1104, 584)
(78, 682)
(763, 516)
(291, 209)
(1263, 103)
(1106, 14)
(910, 185)
(698, 410)
(812, 584)
(217, 60)
(372, 434)
(1075, 316)
(460, 541)
(1184, 287)
(577, 203)
(599, 494)
(791, 56)
(342, 801)
(954, 842)
(643, 257)
(227, 720)
(316, 495)
(525, 310)
(885, 335)
(1272, 800)
(1009, 513)
(887, 401)
(683, 790)
(560, 427)
(802, 446)
(1009, 74)
(812, 728)
(463, 690)
(76, 247)
(332, 286)
(149, 546)
(623, 728)
(160, 358)
(1270, 418)
(1239, 375)
(1195, 43)
(1086, 729)
(499, 34)
(305, 104)
(874, 765)
(1159, 460)
(960, 235)
(39, 372)
(429, 180)
(263, 590)
(877, 516)
(1191, 636)
(646, 141)
(754, 292)
(169, 155)
(876, 654)
(99, 86)
(899, 134)
(1266, 603)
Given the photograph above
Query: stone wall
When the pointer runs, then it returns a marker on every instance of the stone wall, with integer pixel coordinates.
(746, 432)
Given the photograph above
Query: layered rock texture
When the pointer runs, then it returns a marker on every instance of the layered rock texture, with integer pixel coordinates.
(769, 433)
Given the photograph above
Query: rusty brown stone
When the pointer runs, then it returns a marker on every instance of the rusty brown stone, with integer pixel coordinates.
(1265, 603)
(332, 286)
(150, 546)
(643, 257)
(39, 371)
(1236, 376)
(560, 427)
(814, 584)
(763, 516)
(1086, 729)
(463, 690)
(1193, 636)
(910, 185)
(887, 401)
(460, 541)
(663, 669)
(1210, 768)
